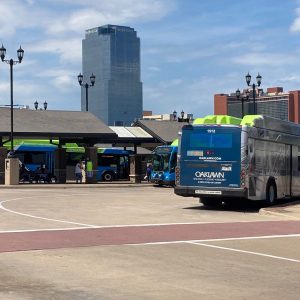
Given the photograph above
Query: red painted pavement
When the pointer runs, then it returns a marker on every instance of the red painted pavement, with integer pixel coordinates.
(38, 240)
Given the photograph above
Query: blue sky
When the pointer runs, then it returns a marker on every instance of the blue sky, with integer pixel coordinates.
(190, 49)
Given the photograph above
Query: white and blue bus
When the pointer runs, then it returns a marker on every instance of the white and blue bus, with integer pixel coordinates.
(222, 159)
(113, 163)
(164, 160)
(37, 160)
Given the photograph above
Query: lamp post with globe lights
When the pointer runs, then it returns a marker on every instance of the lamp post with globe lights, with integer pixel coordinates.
(258, 80)
(243, 99)
(36, 105)
(11, 62)
(86, 86)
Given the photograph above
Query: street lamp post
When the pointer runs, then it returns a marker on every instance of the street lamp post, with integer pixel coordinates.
(11, 62)
(174, 115)
(86, 86)
(243, 99)
(36, 105)
(182, 119)
(258, 80)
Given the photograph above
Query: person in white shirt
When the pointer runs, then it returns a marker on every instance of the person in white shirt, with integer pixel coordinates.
(78, 172)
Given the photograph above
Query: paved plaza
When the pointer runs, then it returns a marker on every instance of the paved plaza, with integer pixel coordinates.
(122, 241)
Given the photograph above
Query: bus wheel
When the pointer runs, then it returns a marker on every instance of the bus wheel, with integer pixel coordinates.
(271, 194)
(211, 201)
(107, 176)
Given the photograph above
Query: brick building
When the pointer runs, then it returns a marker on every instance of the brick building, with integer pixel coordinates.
(275, 103)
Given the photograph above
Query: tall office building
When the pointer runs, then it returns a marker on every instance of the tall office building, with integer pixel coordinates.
(112, 54)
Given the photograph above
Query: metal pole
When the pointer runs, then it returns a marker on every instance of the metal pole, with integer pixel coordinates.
(86, 97)
(11, 63)
(254, 104)
(242, 107)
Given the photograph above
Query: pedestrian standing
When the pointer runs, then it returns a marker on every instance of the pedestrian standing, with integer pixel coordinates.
(148, 172)
(89, 168)
(78, 171)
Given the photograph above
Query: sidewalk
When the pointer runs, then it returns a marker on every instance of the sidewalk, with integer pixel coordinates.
(290, 210)
(75, 185)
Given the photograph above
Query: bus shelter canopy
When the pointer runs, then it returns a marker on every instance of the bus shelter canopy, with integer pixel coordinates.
(65, 126)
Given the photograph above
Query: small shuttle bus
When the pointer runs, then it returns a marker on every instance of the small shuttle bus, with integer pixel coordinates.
(164, 160)
(222, 158)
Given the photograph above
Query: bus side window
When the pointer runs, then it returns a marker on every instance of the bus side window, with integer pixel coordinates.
(298, 163)
(173, 162)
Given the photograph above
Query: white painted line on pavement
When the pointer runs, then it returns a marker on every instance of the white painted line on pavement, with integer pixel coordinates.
(217, 240)
(37, 217)
(43, 229)
(244, 251)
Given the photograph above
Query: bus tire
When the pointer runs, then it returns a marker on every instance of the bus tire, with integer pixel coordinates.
(210, 201)
(271, 192)
(108, 176)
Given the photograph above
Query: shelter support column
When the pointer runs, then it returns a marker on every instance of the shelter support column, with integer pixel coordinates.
(136, 168)
(3, 155)
(12, 171)
(60, 165)
(91, 164)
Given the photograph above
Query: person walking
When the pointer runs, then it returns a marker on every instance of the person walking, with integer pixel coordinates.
(148, 172)
(78, 172)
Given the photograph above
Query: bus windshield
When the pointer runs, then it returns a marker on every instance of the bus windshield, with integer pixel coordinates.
(161, 158)
(208, 140)
(161, 162)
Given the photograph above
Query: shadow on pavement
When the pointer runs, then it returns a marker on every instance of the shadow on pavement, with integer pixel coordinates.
(241, 205)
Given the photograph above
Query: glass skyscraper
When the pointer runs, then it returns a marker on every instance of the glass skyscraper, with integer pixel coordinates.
(112, 54)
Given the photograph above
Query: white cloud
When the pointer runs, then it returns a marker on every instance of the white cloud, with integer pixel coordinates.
(154, 69)
(68, 49)
(191, 97)
(64, 83)
(295, 27)
(96, 13)
(264, 59)
(4, 87)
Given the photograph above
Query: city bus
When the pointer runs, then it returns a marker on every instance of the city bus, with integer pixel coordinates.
(113, 163)
(164, 159)
(222, 159)
(38, 160)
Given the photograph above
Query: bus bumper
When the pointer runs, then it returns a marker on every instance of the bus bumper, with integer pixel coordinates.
(162, 182)
(187, 191)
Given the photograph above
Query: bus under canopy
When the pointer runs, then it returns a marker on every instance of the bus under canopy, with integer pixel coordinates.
(164, 160)
(112, 163)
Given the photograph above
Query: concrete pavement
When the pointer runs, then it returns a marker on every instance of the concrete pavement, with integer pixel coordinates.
(136, 241)
(290, 210)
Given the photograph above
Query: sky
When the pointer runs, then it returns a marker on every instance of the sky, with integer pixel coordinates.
(190, 49)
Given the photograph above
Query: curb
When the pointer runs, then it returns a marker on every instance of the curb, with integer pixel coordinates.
(280, 210)
(74, 185)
